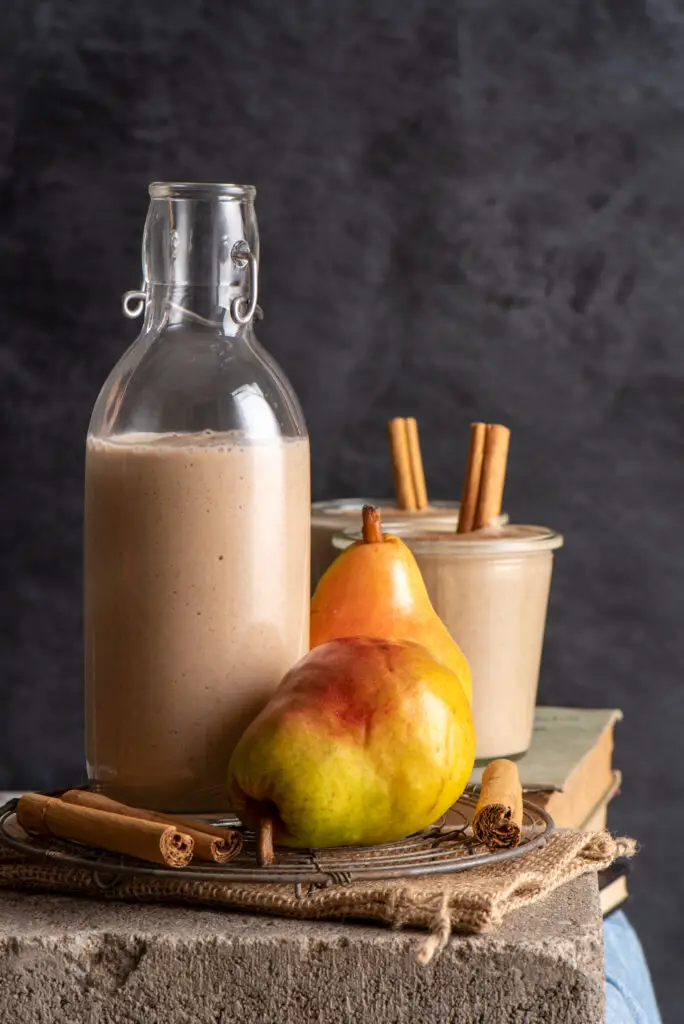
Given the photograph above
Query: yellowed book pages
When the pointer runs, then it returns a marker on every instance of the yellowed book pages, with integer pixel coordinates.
(597, 819)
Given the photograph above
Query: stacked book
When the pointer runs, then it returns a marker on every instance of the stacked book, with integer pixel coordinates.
(569, 771)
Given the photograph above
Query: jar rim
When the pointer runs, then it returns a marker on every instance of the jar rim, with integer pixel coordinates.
(201, 190)
(426, 540)
(341, 506)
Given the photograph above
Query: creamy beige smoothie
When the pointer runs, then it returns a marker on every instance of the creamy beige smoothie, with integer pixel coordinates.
(491, 589)
(196, 604)
(329, 517)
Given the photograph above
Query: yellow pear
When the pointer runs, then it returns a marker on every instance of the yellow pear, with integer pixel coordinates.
(375, 588)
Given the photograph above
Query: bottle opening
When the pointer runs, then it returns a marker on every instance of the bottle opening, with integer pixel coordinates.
(201, 190)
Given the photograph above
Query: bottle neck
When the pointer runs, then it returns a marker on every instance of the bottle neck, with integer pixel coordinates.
(200, 261)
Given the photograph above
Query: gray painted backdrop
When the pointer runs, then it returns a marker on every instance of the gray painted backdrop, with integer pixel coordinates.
(468, 210)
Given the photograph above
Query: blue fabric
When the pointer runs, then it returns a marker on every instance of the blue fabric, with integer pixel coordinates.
(630, 998)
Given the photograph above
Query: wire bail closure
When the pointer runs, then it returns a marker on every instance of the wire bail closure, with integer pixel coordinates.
(138, 297)
(133, 302)
(242, 256)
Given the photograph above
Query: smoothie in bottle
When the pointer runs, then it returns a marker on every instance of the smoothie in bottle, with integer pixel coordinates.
(197, 500)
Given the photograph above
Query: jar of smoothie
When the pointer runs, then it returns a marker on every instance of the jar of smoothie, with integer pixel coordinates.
(491, 589)
(330, 517)
(197, 515)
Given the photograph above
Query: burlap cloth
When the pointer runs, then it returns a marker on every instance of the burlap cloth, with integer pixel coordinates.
(476, 900)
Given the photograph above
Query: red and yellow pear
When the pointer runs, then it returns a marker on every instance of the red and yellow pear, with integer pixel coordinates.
(365, 741)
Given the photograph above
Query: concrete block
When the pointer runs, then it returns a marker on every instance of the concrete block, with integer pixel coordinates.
(80, 962)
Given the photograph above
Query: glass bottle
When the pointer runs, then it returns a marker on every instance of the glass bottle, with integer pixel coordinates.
(197, 515)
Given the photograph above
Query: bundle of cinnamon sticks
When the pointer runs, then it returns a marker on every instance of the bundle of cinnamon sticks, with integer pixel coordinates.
(485, 476)
(95, 820)
(407, 464)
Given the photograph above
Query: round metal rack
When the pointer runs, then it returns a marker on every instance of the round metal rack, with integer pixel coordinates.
(447, 846)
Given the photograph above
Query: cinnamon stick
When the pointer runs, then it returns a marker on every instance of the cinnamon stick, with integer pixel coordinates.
(493, 474)
(416, 463)
(148, 840)
(472, 479)
(265, 851)
(372, 525)
(211, 843)
(401, 464)
(497, 822)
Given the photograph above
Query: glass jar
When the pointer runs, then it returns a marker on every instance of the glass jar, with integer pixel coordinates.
(197, 515)
(490, 588)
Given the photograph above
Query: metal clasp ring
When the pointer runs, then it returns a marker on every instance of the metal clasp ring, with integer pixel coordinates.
(242, 255)
(139, 297)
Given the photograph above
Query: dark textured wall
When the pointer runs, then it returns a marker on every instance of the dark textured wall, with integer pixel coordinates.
(467, 210)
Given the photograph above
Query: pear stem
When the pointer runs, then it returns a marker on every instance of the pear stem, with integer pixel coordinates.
(372, 525)
(265, 851)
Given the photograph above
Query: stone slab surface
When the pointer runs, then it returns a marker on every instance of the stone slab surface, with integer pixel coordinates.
(81, 962)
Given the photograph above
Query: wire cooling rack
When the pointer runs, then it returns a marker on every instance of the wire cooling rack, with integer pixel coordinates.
(447, 846)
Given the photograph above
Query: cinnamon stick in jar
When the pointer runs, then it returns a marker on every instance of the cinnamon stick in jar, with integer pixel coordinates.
(494, 462)
(401, 464)
(154, 841)
(473, 478)
(497, 822)
(211, 843)
(416, 463)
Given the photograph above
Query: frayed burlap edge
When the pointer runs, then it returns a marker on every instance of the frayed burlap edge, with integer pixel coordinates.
(470, 901)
